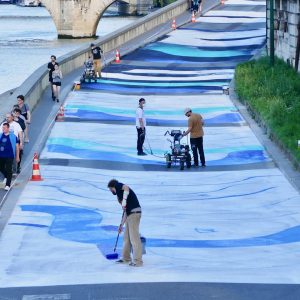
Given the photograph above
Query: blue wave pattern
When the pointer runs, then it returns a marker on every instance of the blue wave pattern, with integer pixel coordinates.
(86, 150)
(83, 226)
(231, 118)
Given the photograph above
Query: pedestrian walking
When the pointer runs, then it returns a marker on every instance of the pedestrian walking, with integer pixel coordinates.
(14, 127)
(56, 77)
(195, 128)
(21, 121)
(25, 112)
(96, 52)
(9, 150)
(132, 213)
(140, 123)
(51, 65)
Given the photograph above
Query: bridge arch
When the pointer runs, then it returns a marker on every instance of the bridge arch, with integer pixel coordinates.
(77, 18)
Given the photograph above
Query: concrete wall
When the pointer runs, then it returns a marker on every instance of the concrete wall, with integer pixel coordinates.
(286, 20)
(35, 85)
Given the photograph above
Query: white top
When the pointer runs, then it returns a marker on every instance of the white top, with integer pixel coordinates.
(13, 127)
(140, 115)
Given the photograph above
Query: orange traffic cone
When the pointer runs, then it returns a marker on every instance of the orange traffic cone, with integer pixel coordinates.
(174, 24)
(117, 57)
(222, 2)
(60, 115)
(36, 174)
(193, 17)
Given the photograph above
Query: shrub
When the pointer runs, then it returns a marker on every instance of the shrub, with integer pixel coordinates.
(273, 93)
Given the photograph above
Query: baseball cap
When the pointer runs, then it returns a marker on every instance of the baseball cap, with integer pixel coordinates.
(187, 110)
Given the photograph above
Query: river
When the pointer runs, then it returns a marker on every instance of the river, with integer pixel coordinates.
(28, 37)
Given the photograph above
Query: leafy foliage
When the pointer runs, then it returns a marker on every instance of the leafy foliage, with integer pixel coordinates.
(273, 93)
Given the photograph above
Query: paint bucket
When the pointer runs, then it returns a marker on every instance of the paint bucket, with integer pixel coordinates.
(77, 85)
(225, 89)
(143, 241)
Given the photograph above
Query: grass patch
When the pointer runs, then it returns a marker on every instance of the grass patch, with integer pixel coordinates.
(273, 93)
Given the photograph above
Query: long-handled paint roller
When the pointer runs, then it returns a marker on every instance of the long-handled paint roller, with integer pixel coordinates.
(115, 255)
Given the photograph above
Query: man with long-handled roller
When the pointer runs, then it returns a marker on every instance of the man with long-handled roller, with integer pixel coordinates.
(132, 213)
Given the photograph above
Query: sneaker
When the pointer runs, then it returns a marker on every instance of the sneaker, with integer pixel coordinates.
(57, 100)
(203, 166)
(135, 265)
(7, 188)
(26, 141)
(18, 170)
(142, 153)
(4, 181)
(122, 261)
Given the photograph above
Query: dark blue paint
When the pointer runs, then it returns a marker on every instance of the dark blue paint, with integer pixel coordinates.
(138, 90)
(30, 225)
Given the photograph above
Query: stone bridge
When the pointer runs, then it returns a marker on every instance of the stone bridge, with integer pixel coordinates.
(80, 18)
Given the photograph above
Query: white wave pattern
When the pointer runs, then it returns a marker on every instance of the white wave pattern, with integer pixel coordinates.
(198, 42)
(156, 78)
(224, 34)
(176, 72)
(242, 2)
(225, 20)
(234, 13)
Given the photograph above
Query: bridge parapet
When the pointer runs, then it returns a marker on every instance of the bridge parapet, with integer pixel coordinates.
(80, 18)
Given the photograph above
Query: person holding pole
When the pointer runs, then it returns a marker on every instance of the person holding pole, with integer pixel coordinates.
(132, 213)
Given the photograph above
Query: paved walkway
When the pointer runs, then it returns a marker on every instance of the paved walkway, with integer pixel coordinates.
(237, 221)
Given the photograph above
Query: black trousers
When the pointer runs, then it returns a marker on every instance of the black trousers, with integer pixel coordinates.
(197, 146)
(140, 139)
(6, 168)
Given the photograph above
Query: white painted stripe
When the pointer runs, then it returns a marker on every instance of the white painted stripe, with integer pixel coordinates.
(173, 72)
(246, 2)
(157, 78)
(234, 13)
(47, 297)
(222, 20)
(218, 35)
(198, 42)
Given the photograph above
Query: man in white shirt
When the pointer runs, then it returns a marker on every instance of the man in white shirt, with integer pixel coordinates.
(14, 127)
(140, 123)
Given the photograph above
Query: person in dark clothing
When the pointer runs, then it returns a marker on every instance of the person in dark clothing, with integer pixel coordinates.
(131, 218)
(96, 52)
(9, 150)
(140, 123)
(195, 125)
(51, 68)
(19, 119)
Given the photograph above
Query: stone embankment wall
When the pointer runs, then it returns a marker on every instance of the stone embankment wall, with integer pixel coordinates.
(286, 29)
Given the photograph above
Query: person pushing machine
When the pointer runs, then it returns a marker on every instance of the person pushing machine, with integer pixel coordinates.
(195, 128)
(132, 213)
(96, 52)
